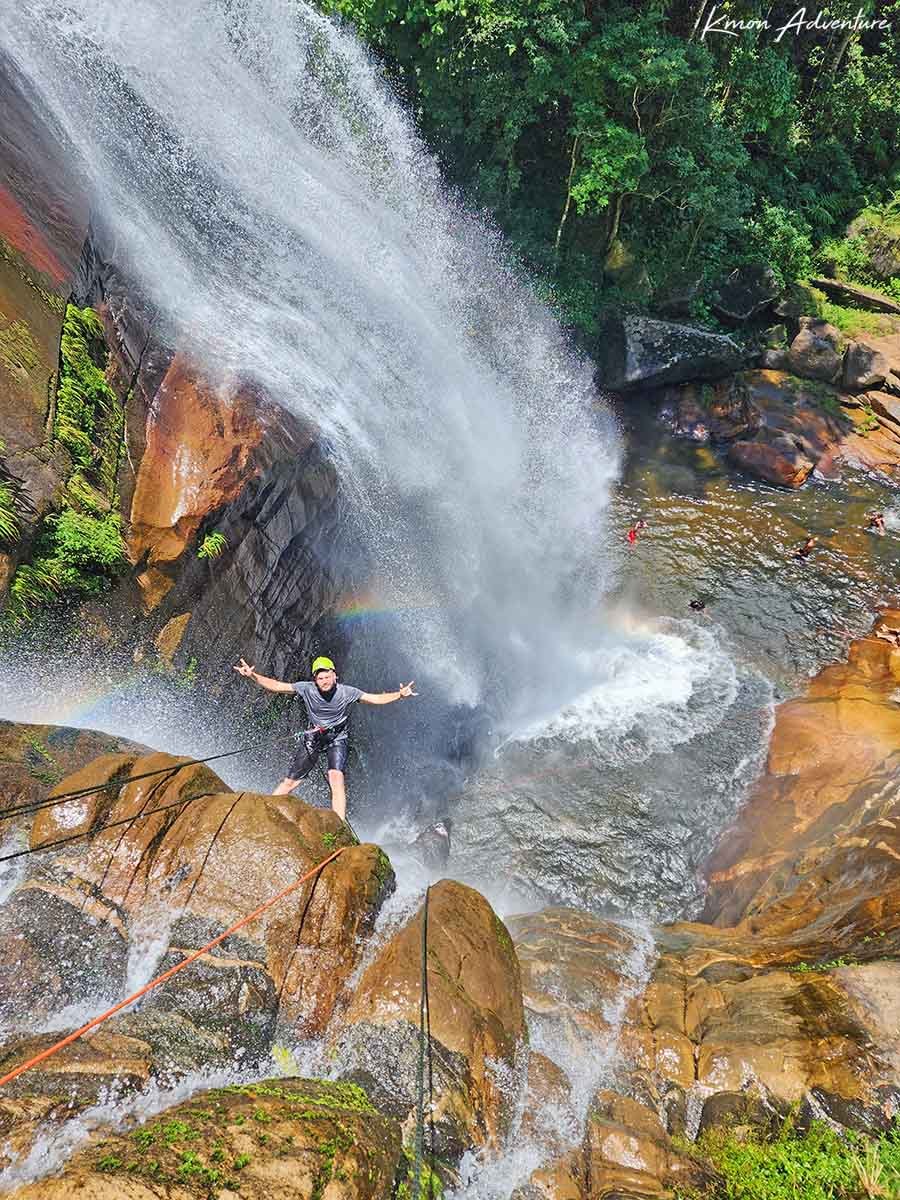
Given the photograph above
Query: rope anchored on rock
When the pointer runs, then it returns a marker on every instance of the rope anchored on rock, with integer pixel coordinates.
(154, 983)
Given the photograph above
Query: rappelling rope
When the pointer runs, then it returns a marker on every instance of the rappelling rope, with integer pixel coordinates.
(80, 793)
(424, 1048)
(72, 1037)
(73, 837)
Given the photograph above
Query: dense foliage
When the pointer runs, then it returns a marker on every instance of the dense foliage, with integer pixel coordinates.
(625, 152)
(818, 1165)
(79, 550)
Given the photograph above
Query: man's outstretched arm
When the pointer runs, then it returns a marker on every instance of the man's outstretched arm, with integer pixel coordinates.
(271, 685)
(406, 689)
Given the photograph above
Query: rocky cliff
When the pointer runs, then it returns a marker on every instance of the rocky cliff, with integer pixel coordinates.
(782, 1001)
(213, 515)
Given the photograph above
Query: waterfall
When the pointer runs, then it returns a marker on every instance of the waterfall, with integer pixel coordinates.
(271, 197)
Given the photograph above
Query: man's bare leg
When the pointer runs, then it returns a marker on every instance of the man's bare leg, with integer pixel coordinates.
(338, 793)
(286, 786)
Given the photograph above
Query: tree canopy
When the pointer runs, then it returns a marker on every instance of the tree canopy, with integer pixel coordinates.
(626, 147)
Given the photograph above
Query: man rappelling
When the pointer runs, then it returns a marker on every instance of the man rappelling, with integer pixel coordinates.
(327, 704)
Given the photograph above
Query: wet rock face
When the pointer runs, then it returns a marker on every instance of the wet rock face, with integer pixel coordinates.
(207, 456)
(642, 352)
(572, 965)
(817, 832)
(82, 913)
(282, 1139)
(476, 1018)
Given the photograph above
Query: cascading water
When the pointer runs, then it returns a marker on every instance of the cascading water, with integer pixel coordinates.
(270, 197)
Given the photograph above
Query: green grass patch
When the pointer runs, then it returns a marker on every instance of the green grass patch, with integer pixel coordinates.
(853, 321)
(818, 1165)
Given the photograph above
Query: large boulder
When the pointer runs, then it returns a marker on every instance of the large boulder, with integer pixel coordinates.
(477, 1020)
(639, 352)
(864, 368)
(209, 857)
(281, 1139)
(816, 352)
(811, 844)
(746, 292)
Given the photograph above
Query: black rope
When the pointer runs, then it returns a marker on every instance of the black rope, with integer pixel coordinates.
(424, 1038)
(190, 897)
(52, 801)
(124, 834)
(109, 825)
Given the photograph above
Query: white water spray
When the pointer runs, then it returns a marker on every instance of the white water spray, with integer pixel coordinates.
(270, 197)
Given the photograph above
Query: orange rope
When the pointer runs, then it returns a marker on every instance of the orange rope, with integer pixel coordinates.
(72, 1037)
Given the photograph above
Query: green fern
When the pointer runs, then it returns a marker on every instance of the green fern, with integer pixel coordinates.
(212, 545)
(9, 522)
(14, 504)
(33, 587)
(85, 403)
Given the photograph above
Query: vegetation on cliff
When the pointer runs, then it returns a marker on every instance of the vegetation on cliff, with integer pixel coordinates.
(78, 550)
(13, 503)
(627, 149)
(820, 1165)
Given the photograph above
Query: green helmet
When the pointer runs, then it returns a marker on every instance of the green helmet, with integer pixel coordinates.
(322, 664)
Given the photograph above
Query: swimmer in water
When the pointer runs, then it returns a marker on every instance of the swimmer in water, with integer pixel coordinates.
(697, 604)
(807, 548)
(876, 523)
(635, 530)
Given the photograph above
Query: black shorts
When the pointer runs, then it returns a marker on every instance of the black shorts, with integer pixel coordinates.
(312, 745)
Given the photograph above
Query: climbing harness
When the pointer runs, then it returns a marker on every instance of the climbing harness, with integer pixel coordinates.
(72, 1037)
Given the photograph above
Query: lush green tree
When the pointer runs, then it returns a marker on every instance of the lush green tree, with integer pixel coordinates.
(609, 132)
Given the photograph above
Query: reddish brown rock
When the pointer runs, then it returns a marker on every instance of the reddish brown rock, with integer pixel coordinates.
(212, 857)
(572, 965)
(822, 812)
(477, 1019)
(779, 462)
(629, 1155)
(198, 448)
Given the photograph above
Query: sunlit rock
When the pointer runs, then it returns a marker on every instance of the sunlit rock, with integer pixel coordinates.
(282, 1139)
(476, 1018)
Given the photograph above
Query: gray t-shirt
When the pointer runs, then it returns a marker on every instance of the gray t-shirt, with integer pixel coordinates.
(322, 711)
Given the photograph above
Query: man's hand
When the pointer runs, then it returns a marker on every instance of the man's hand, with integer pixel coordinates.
(244, 668)
(406, 689)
